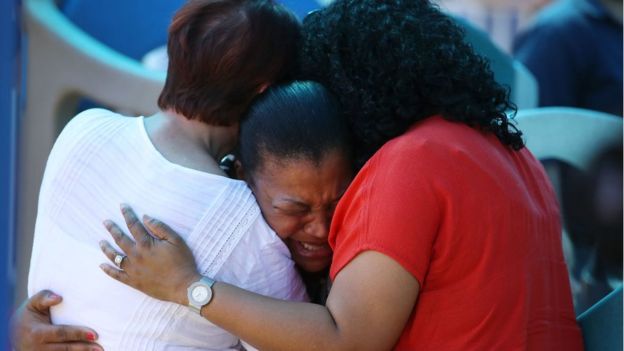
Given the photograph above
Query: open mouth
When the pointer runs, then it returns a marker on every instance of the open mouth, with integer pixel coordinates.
(309, 250)
(311, 247)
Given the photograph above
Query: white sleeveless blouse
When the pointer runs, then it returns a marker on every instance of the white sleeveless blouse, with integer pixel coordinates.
(102, 159)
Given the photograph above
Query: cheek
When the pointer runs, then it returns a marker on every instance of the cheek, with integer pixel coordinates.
(284, 226)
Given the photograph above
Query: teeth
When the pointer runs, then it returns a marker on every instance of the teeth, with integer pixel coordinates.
(311, 247)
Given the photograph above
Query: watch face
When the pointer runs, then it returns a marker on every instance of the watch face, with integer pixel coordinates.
(200, 293)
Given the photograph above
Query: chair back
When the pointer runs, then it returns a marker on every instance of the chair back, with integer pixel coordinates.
(601, 324)
(64, 64)
(525, 90)
(569, 134)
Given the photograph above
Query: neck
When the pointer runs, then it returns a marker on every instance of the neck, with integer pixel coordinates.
(190, 143)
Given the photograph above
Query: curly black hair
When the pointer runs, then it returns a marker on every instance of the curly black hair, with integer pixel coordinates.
(394, 62)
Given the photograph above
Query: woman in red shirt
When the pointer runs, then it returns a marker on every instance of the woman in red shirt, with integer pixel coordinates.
(449, 236)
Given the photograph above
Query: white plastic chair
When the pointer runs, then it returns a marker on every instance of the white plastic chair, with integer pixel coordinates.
(64, 64)
(569, 134)
(572, 135)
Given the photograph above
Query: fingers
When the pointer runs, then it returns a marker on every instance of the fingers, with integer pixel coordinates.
(111, 253)
(115, 273)
(141, 236)
(31, 328)
(124, 242)
(42, 301)
(64, 334)
(161, 230)
(74, 346)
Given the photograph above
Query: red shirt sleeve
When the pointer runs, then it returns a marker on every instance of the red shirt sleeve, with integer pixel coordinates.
(391, 207)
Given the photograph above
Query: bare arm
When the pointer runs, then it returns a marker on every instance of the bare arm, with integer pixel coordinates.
(32, 329)
(367, 308)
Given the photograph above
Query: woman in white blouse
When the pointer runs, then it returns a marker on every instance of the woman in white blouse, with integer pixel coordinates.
(222, 55)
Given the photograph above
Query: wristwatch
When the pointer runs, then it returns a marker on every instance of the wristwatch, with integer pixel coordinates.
(200, 293)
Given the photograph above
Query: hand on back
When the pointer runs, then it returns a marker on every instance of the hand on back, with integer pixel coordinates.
(32, 328)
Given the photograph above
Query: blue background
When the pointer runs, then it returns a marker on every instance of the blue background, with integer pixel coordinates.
(10, 68)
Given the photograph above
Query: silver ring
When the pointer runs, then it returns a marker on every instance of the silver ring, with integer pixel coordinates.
(119, 260)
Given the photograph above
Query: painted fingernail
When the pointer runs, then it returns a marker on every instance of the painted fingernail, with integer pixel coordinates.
(91, 336)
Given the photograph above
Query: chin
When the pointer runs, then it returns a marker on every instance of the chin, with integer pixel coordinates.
(313, 267)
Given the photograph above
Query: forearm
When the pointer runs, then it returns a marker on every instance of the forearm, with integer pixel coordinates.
(360, 314)
(271, 324)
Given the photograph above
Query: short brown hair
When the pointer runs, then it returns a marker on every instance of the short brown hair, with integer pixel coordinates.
(222, 52)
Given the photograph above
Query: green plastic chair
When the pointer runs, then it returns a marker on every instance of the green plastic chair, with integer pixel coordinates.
(65, 64)
(602, 324)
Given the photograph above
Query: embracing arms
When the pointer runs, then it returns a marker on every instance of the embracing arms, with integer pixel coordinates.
(32, 329)
(369, 304)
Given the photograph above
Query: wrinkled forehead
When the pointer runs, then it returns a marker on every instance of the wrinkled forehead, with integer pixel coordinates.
(328, 173)
(278, 166)
(269, 163)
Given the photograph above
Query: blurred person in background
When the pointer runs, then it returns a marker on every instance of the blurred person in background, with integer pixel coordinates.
(574, 49)
(592, 211)
(501, 19)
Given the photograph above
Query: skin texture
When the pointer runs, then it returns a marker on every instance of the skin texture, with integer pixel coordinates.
(190, 143)
(298, 198)
(371, 279)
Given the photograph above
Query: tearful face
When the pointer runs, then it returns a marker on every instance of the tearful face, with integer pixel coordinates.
(297, 198)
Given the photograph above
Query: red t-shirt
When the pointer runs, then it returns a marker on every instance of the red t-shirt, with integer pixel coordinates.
(477, 224)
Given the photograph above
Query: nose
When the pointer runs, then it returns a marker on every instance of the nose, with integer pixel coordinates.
(318, 227)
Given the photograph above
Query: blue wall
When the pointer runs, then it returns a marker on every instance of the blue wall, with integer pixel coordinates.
(9, 106)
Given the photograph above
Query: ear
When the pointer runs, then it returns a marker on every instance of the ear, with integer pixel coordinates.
(239, 172)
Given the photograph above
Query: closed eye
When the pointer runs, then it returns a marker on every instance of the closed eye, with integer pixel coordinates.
(292, 211)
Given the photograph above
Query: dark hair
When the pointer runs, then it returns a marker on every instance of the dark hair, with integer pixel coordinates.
(392, 63)
(222, 52)
(295, 121)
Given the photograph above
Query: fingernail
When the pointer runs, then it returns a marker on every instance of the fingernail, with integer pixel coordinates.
(91, 337)
(147, 218)
(107, 223)
(52, 295)
(102, 243)
(124, 207)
